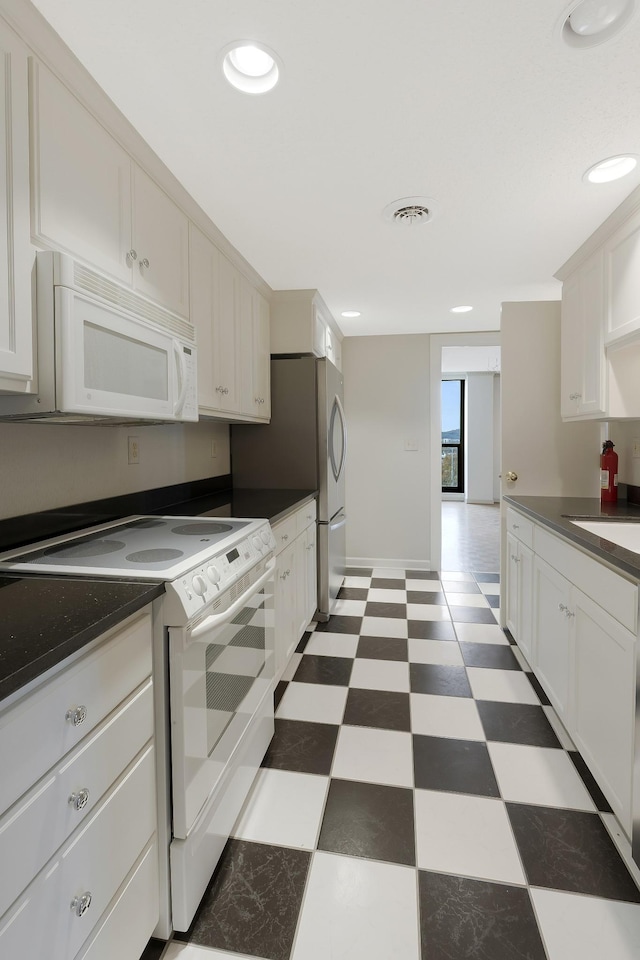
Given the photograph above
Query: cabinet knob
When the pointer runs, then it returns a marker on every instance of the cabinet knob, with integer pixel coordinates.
(76, 715)
(311, 546)
(285, 536)
(80, 799)
(81, 904)
(575, 396)
(515, 559)
(144, 263)
(131, 256)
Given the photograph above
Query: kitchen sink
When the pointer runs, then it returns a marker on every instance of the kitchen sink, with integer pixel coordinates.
(624, 533)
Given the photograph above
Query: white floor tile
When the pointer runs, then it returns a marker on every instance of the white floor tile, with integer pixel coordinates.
(587, 928)
(358, 910)
(318, 702)
(356, 582)
(283, 808)
(559, 729)
(332, 644)
(380, 675)
(465, 835)
(508, 686)
(373, 755)
(428, 611)
(378, 595)
(490, 589)
(466, 599)
(448, 575)
(388, 573)
(435, 651)
(455, 717)
(426, 586)
(291, 667)
(538, 775)
(623, 845)
(189, 951)
(384, 627)
(480, 633)
(349, 608)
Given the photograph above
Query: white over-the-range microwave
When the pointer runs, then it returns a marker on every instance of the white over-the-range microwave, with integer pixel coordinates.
(104, 353)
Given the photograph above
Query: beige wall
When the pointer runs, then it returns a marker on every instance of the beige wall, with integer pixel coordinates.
(48, 465)
(387, 403)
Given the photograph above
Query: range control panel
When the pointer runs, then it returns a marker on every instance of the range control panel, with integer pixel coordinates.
(189, 595)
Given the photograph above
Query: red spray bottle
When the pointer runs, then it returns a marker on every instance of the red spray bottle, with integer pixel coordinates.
(608, 473)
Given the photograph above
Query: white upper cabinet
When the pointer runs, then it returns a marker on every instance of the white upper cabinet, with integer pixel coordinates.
(90, 199)
(256, 362)
(16, 257)
(301, 323)
(583, 372)
(622, 258)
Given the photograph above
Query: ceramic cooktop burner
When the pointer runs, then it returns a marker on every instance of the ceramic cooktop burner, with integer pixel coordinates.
(211, 529)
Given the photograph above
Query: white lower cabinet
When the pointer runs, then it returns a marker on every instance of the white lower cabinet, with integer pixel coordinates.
(81, 832)
(520, 593)
(583, 652)
(296, 584)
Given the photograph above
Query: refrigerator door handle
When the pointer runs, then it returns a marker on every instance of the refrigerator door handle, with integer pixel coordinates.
(340, 522)
(338, 467)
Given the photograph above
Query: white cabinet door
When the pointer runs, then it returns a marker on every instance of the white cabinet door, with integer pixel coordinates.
(81, 190)
(512, 587)
(160, 238)
(255, 352)
(16, 257)
(286, 608)
(552, 639)
(603, 714)
(622, 264)
(519, 618)
(310, 573)
(583, 367)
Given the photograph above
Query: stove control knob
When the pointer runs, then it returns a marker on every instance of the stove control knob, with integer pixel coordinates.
(257, 542)
(214, 574)
(265, 536)
(199, 585)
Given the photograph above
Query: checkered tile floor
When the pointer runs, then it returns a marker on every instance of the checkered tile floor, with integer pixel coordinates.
(420, 800)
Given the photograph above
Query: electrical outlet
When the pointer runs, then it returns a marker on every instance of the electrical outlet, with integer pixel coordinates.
(134, 450)
(636, 450)
(214, 449)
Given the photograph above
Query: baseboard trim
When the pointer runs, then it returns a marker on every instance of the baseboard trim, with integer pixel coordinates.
(390, 564)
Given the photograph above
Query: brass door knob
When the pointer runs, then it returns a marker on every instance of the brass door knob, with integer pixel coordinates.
(510, 475)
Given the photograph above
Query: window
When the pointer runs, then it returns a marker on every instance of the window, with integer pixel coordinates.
(453, 436)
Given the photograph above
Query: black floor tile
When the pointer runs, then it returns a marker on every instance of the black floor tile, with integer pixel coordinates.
(542, 697)
(318, 669)
(516, 723)
(253, 901)
(380, 609)
(460, 586)
(302, 746)
(510, 637)
(493, 600)
(391, 583)
(369, 820)
(595, 792)
(442, 680)
(422, 575)
(340, 624)
(358, 572)
(431, 630)
(154, 949)
(304, 640)
(473, 615)
(279, 692)
(377, 708)
(570, 850)
(495, 655)
(353, 593)
(383, 648)
(456, 766)
(426, 596)
(476, 919)
(487, 577)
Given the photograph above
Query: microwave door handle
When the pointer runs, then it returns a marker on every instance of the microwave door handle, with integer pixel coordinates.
(218, 619)
(181, 367)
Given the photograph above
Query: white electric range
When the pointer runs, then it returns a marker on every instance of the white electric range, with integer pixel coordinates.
(214, 669)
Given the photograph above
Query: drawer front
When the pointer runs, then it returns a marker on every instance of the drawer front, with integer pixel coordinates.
(519, 527)
(33, 829)
(132, 916)
(619, 597)
(43, 923)
(305, 516)
(285, 532)
(38, 731)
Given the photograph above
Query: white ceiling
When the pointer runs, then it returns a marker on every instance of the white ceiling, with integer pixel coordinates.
(479, 106)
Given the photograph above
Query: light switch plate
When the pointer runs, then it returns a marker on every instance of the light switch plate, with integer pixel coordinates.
(411, 445)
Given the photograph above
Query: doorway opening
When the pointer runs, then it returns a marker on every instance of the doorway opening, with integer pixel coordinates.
(452, 418)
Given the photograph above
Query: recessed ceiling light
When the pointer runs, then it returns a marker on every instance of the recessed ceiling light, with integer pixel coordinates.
(250, 66)
(589, 22)
(463, 309)
(613, 168)
(350, 313)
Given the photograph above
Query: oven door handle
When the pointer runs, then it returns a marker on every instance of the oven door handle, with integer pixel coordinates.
(218, 619)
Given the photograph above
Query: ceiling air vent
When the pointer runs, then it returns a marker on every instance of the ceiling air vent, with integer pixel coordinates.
(410, 211)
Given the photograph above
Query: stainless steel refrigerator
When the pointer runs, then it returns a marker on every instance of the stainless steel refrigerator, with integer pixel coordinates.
(304, 447)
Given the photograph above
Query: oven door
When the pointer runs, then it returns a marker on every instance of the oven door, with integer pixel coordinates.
(221, 675)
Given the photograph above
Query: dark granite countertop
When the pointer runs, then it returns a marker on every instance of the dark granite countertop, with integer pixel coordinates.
(46, 619)
(43, 620)
(554, 512)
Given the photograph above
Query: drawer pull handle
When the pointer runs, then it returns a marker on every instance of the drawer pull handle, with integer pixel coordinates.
(81, 904)
(80, 799)
(76, 715)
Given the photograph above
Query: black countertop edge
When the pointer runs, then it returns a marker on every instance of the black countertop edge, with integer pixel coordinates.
(47, 619)
(554, 512)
